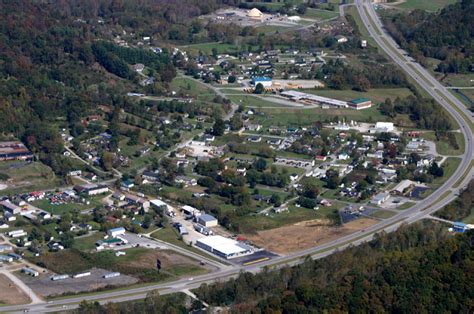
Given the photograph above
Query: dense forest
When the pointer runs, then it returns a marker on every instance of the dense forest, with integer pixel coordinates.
(58, 63)
(418, 268)
(447, 35)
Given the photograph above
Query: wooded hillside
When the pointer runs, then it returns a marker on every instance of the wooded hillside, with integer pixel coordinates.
(417, 269)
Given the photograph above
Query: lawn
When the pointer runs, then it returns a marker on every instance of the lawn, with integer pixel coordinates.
(466, 96)
(87, 243)
(443, 147)
(286, 117)
(427, 5)
(192, 88)
(383, 214)
(320, 14)
(449, 166)
(207, 48)
(253, 101)
(68, 207)
(459, 80)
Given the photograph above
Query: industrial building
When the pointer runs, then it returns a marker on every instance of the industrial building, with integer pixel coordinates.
(10, 207)
(207, 220)
(91, 189)
(382, 127)
(311, 99)
(360, 103)
(224, 247)
(14, 151)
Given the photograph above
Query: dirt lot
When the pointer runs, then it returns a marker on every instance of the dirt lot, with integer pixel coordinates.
(304, 235)
(44, 286)
(10, 294)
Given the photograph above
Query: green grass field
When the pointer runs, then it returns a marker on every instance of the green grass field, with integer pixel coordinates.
(376, 95)
(443, 147)
(87, 243)
(26, 177)
(427, 5)
(253, 223)
(68, 207)
(286, 117)
(449, 166)
(192, 88)
(459, 80)
(320, 14)
(207, 48)
(253, 101)
(383, 214)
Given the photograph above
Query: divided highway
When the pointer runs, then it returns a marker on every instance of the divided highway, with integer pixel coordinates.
(445, 194)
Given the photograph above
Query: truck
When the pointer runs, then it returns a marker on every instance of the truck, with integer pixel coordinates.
(201, 229)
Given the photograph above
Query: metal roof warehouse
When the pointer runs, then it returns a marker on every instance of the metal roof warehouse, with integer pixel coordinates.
(224, 247)
(296, 96)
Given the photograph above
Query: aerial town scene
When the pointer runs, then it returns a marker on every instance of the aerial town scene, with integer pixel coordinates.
(236, 156)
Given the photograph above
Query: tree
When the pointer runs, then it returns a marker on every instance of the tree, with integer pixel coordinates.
(310, 189)
(260, 164)
(218, 128)
(275, 199)
(259, 89)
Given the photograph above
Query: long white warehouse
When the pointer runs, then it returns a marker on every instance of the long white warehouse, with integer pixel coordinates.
(224, 247)
(299, 96)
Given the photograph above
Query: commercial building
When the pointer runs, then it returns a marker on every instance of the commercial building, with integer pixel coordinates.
(360, 103)
(10, 207)
(382, 127)
(116, 232)
(265, 81)
(311, 99)
(380, 198)
(207, 220)
(14, 151)
(91, 189)
(224, 247)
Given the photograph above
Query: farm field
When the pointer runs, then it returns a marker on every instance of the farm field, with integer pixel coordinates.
(304, 235)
